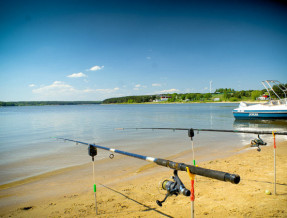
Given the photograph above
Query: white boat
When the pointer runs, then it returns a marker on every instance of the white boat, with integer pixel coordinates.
(273, 109)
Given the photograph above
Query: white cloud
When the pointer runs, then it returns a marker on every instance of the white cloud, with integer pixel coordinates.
(59, 90)
(105, 91)
(169, 91)
(77, 75)
(138, 86)
(57, 87)
(61, 87)
(89, 90)
(32, 85)
(188, 90)
(156, 84)
(95, 68)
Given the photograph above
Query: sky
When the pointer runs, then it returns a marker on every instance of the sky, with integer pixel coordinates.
(93, 50)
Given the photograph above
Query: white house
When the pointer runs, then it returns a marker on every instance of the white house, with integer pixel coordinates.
(165, 98)
(263, 97)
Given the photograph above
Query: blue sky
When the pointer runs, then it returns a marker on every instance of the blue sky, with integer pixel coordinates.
(93, 50)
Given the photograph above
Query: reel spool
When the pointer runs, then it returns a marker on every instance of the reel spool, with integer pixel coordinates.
(160, 189)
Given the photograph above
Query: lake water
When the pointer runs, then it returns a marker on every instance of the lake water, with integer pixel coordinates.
(27, 146)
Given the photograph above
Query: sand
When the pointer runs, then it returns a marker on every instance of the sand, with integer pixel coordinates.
(128, 187)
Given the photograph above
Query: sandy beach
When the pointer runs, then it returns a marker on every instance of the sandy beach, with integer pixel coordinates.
(128, 187)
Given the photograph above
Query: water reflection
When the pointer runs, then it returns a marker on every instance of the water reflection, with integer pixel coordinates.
(261, 125)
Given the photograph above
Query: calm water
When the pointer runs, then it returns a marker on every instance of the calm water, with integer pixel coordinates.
(27, 147)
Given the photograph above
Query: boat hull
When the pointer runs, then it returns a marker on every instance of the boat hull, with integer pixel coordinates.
(257, 114)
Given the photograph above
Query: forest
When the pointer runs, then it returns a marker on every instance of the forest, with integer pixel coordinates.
(220, 95)
(41, 103)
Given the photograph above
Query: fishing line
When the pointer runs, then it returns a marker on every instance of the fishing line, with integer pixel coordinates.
(95, 187)
(274, 146)
(193, 152)
(191, 134)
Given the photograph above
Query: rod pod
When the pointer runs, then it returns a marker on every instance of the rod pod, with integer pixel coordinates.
(92, 150)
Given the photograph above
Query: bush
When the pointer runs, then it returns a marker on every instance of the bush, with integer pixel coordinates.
(255, 94)
(233, 99)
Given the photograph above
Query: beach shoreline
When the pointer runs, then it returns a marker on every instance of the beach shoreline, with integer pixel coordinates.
(190, 102)
(133, 190)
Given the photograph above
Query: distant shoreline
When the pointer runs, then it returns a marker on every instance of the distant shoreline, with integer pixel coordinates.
(193, 102)
(44, 103)
(59, 103)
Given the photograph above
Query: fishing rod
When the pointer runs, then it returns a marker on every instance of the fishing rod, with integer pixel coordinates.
(172, 187)
(213, 130)
(254, 143)
(214, 174)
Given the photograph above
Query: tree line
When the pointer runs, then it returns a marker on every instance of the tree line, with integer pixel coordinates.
(130, 99)
(221, 95)
(41, 103)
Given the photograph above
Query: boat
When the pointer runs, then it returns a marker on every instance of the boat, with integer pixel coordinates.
(273, 109)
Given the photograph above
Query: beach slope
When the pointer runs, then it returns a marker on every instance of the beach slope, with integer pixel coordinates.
(133, 191)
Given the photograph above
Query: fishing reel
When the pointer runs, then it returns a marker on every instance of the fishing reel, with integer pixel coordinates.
(175, 187)
(257, 142)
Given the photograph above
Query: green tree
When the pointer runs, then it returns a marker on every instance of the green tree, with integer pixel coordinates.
(191, 96)
(226, 96)
(207, 96)
(255, 94)
(173, 97)
(237, 95)
(198, 96)
(183, 97)
(279, 91)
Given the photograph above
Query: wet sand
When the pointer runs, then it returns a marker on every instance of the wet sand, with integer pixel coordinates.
(128, 187)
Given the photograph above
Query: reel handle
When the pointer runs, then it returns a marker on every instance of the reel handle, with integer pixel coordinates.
(159, 203)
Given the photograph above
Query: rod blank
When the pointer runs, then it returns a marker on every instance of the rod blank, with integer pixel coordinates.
(214, 174)
(214, 130)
